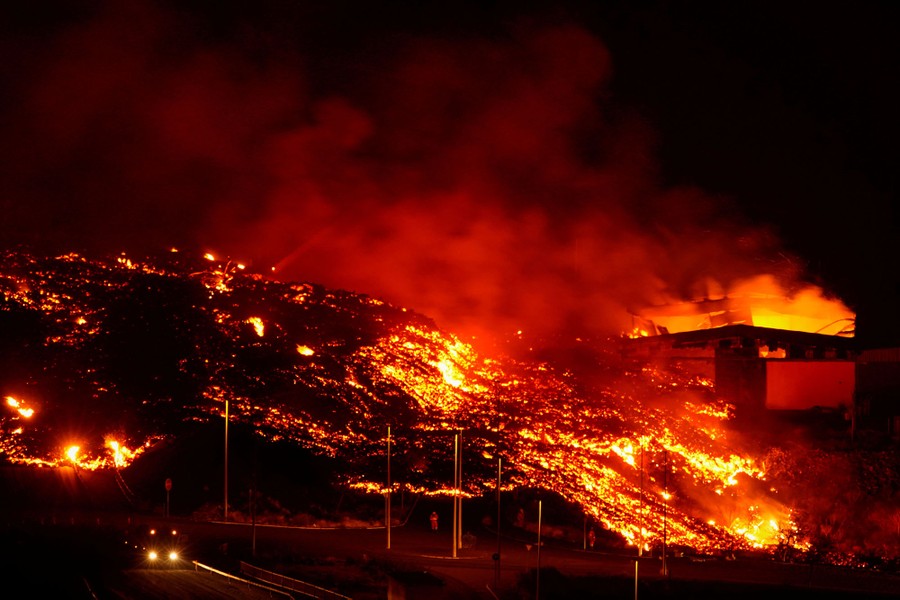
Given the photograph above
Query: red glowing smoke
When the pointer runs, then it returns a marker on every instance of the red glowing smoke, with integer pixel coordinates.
(491, 182)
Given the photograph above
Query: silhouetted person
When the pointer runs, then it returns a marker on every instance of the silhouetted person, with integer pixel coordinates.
(434, 520)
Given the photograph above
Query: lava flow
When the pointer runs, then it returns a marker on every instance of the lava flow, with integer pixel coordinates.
(103, 358)
(647, 464)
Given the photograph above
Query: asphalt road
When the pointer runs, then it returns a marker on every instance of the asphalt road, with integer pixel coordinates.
(71, 559)
(472, 574)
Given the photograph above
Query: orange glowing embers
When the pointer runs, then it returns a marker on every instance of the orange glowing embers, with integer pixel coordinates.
(305, 350)
(22, 410)
(121, 456)
(118, 457)
(454, 364)
(258, 326)
(450, 373)
(219, 279)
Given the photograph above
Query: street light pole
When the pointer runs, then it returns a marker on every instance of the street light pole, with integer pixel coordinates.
(641, 509)
(387, 501)
(665, 569)
(537, 581)
(168, 489)
(253, 518)
(497, 557)
(225, 503)
(455, 489)
(458, 534)
(640, 551)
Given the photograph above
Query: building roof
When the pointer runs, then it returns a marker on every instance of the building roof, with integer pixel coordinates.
(759, 335)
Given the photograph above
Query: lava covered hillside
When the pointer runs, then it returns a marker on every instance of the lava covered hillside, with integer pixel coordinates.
(102, 359)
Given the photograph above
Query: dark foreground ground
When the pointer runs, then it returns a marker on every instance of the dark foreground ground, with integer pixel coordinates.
(61, 536)
(91, 560)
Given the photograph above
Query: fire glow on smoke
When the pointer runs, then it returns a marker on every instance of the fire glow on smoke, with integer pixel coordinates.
(646, 453)
(476, 178)
(759, 301)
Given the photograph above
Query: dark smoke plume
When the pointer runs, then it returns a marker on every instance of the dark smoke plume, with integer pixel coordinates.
(488, 180)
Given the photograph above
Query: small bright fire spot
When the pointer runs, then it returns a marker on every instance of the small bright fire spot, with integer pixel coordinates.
(258, 325)
(22, 410)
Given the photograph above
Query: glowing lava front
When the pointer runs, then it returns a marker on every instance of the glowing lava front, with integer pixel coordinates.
(647, 454)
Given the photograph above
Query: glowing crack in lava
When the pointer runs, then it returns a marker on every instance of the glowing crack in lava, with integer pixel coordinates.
(640, 465)
(103, 356)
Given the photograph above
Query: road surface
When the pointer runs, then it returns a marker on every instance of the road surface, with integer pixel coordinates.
(67, 559)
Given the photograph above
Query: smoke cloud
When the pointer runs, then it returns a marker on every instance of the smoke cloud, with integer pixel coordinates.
(491, 182)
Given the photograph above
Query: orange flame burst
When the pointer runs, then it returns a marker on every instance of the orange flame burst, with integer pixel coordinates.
(760, 301)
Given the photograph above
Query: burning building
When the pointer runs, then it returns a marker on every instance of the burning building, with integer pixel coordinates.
(107, 360)
(766, 355)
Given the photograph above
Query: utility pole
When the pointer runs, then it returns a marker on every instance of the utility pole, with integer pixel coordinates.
(459, 534)
(225, 502)
(387, 496)
(640, 550)
(253, 518)
(497, 556)
(168, 489)
(665, 568)
(455, 489)
(537, 580)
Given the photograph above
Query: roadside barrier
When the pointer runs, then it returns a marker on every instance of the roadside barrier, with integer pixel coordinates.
(289, 583)
(198, 565)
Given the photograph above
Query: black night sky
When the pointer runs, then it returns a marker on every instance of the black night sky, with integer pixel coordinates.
(472, 160)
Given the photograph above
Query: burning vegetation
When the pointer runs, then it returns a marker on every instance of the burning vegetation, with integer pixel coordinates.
(102, 359)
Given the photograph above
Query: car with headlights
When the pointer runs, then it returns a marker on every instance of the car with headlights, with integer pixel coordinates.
(155, 546)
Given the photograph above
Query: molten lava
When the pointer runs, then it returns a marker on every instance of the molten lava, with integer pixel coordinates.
(104, 357)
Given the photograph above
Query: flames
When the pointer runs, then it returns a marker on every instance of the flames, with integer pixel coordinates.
(759, 301)
(649, 454)
(258, 326)
(20, 408)
(116, 455)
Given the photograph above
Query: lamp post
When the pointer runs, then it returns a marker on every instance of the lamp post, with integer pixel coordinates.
(225, 501)
(497, 556)
(459, 526)
(168, 489)
(665, 568)
(455, 489)
(387, 496)
(253, 518)
(499, 477)
(641, 508)
(640, 550)
(537, 580)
